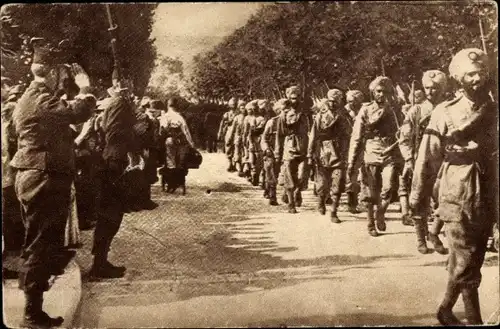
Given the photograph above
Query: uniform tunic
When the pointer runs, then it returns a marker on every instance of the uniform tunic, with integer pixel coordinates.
(255, 129)
(329, 147)
(46, 166)
(178, 139)
(412, 130)
(236, 137)
(291, 148)
(375, 130)
(271, 167)
(461, 170)
(225, 132)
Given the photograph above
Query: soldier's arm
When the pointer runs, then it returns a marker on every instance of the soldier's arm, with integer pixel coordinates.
(264, 141)
(406, 135)
(278, 141)
(345, 133)
(185, 130)
(221, 127)
(357, 138)
(429, 160)
(312, 140)
(120, 121)
(76, 111)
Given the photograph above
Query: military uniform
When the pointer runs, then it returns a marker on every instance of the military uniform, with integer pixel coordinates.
(329, 146)
(225, 133)
(458, 163)
(235, 139)
(248, 122)
(373, 132)
(291, 149)
(271, 167)
(46, 165)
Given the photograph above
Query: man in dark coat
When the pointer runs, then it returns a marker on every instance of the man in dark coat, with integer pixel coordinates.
(121, 149)
(45, 164)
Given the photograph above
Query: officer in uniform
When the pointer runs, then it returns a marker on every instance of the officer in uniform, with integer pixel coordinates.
(373, 134)
(458, 161)
(291, 149)
(121, 150)
(235, 138)
(354, 100)
(271, 167)
(224, 132)
(328, 149)
(412, 130)
(45, 170)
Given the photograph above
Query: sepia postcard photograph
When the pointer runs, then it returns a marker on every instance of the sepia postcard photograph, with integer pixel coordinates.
(250, 164)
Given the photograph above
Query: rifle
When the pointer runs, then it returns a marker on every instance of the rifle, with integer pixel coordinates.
(112, 31)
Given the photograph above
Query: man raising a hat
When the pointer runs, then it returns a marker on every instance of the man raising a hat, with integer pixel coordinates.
(45, 165)
(458, 161)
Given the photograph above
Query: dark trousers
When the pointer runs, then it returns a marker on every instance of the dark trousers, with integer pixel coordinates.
(88, 194)
(111, 207)
(12, 223)
(45, 200)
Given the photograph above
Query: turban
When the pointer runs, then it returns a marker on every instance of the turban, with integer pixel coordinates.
(292, 91)
(241, 103)
(262, 103)
(232, 102)
(435, 76)
(334, 94)
(354, 94)
(251, 105)
(464, 60)
(145, 101)
(381, 81)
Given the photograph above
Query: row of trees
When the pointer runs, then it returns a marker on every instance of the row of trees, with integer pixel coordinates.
(86, 28)
(319, 45)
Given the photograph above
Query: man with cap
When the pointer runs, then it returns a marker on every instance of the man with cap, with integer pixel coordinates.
(235, 138)
(255, 129)
(121, 149)
(271, 167)
(291, 149)
(373, 135)
(248, 122)
(328, 148)
(45, 170)
(354, 100)
(224, 131)
(411, 132)
(458, 162)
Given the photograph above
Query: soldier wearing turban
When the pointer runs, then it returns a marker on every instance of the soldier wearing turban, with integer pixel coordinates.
(235, 138)
(328, 148)
(248, 124)
(224, 132)
(374, 133)
(291, 149)
(416, 120)
(271, 167)
(458, 162)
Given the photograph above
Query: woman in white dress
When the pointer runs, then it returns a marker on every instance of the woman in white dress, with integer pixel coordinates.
(178, 142)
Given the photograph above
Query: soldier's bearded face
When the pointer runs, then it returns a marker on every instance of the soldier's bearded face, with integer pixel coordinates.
(380, 94)
(474, 78)
(432, 91)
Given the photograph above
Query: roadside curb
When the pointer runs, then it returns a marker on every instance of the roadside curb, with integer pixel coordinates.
(62, 299)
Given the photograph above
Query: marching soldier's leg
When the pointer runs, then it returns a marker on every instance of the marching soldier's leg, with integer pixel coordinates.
(303, 174)
(403, 191)
(369, 195)
(290, 183)
(352, 196)
(436, 228)
(321, 184)
(337, 184)
(271, 181)
(386, 176)
(420, 223)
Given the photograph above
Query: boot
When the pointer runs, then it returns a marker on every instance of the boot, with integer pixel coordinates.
(298, 197)
(371, 221)
(291, 202)
(405, 210)
(321, 205)
(34, 316)
(436, 227)
(266, 194)
(335, 203)
(329, 199)
(102, 268)
(284, 197)
(272, 196)
(380, 215)
(352, 201)
(445, 314)
(472, 307)
(419, 229)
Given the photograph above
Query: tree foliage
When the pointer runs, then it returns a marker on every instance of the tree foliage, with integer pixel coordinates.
(168, 79)
(345, 44)
(86, 28)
